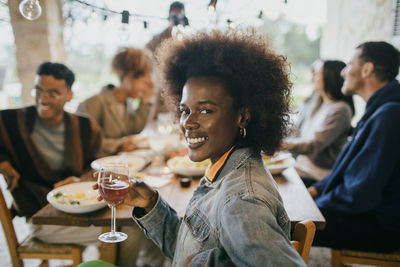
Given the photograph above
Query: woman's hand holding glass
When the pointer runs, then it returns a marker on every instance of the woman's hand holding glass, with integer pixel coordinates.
(140, 194)
(113, 184)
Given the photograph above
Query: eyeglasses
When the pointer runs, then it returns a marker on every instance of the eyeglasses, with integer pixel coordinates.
(39, 93)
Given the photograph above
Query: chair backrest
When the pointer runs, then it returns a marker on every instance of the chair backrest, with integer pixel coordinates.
(8, 227)
(344, 256)
(303, 236)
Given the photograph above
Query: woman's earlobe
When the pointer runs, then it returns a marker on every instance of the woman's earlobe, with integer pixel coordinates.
(244, 117)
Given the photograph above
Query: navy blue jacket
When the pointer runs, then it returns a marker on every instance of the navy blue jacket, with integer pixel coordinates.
(365, 178)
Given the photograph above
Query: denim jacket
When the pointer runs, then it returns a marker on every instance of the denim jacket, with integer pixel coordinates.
(238, 219)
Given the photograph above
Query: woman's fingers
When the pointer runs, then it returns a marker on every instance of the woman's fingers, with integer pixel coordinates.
(95, 174)
(95, 186)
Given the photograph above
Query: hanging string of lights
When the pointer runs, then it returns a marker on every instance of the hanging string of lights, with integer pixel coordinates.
(111, 12)
(32, 10)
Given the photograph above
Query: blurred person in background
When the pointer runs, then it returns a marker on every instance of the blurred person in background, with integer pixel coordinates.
(117, 119)
(360, 198)
(112, 109)
(325, 130)
(43, 147)
(313, 101)
(176, 16)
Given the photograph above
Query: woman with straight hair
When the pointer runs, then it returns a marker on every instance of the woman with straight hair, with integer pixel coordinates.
(325, 131)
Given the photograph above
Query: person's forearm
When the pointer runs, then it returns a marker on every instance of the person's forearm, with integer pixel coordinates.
(161, 224)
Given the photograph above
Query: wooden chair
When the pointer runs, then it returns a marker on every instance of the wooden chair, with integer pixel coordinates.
(302, 238)
(32, 248)
(339, 257)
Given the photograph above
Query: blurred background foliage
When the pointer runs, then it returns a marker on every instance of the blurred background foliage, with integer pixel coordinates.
(90, 60)
(292, 40)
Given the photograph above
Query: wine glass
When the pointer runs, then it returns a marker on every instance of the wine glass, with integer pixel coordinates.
(162, 140)
(114, 186)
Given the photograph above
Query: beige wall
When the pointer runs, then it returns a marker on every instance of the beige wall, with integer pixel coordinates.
(36, 41)
(351, 22)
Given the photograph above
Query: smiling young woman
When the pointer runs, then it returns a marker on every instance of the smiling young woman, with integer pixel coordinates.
(231, 93)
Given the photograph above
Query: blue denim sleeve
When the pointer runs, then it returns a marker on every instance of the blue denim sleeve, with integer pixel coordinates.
(161, 224)
(249, 236)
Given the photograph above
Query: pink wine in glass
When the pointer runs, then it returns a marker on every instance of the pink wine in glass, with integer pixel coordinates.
(114, 192)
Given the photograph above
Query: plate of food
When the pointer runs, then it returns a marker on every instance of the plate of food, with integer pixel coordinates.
(75, 198)
(182, 165)
(154, 181)
(140, 140)
(278, 162)
(134, 163)
(146, 154)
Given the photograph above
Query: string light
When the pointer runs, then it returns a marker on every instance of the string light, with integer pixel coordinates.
(212, 5)
(144, 19)
(177, 32)
(125, 17)
(113, 12)
(231, 24)
(30, 9)
(124, 30)
(212, 14)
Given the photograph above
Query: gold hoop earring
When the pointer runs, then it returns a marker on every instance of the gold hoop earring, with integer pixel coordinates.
(242, 132)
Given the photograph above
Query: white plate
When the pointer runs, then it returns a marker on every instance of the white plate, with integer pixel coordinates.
(184, 166)
(135, 164)
(278, 164)
(157, 181)
(146, 154)
(81, 192)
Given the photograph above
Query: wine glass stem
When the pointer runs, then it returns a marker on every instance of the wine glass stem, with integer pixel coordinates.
(113, 212)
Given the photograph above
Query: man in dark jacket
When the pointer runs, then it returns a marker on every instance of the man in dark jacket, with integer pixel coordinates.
(360, 198)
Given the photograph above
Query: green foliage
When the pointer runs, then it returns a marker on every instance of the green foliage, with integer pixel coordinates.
(292, 40)
(92, 69)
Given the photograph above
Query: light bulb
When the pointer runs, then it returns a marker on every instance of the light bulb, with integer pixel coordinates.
(177, 32)
(124, 32)
(30, 9)
(211, 9)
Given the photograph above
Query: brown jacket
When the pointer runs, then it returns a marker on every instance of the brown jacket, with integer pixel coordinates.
(82, 140)
(114, 125)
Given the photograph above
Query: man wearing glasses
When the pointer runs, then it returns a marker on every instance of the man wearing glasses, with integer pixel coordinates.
(43, 146)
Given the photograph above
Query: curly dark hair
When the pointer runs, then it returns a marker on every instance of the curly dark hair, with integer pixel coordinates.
(256, 77)
(58, 71)
(131, 60)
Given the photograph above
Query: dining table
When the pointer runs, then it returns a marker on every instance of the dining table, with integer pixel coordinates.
(296, 199)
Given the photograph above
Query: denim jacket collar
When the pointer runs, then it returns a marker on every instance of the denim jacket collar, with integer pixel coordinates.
(235, 160)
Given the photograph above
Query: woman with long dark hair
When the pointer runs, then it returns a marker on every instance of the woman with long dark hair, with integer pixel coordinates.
(324, 132)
